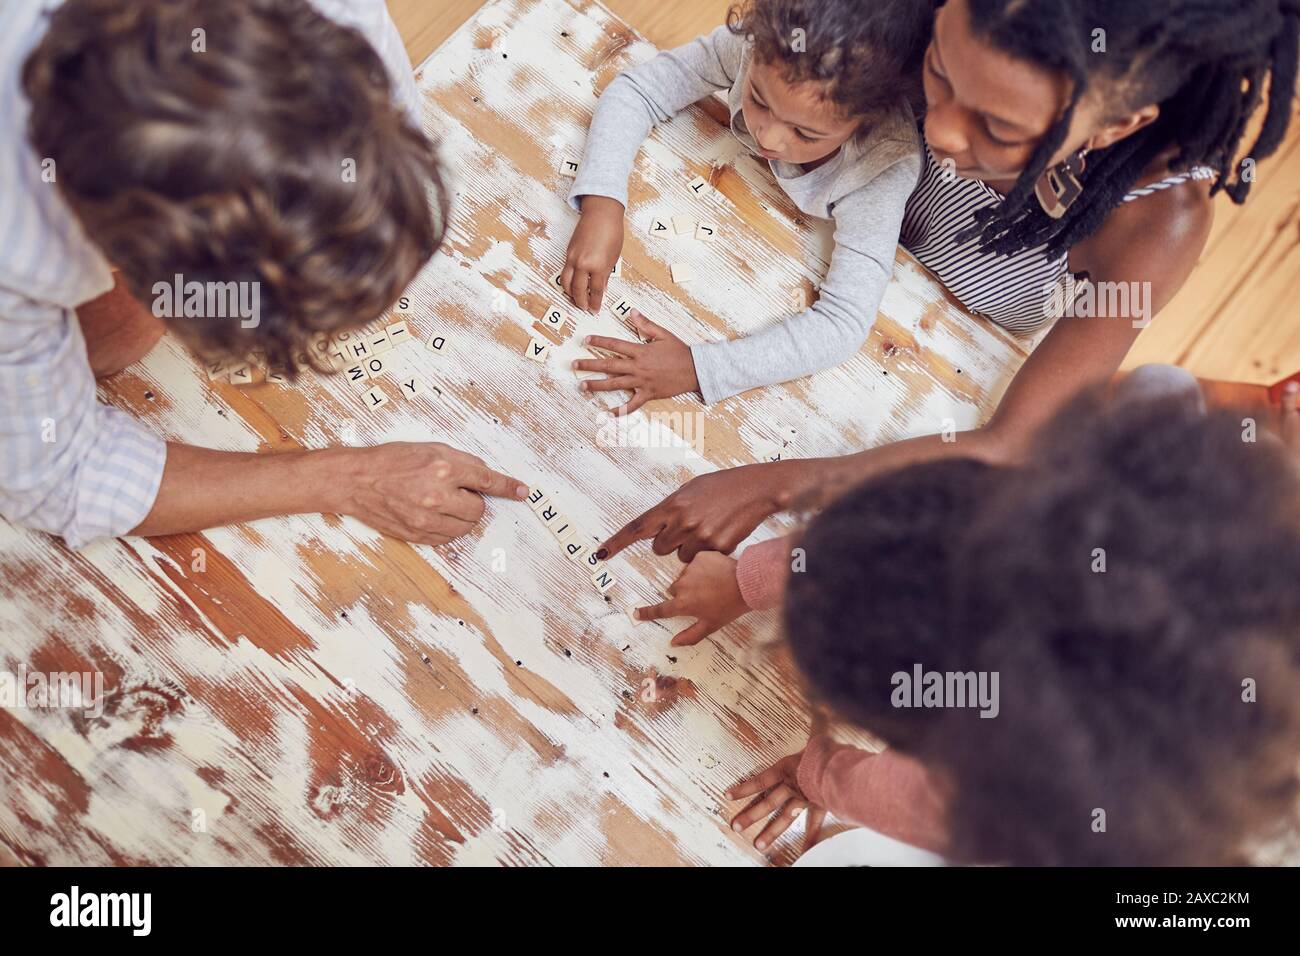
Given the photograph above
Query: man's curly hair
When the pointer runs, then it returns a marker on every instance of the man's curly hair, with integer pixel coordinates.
(866, 56)
(226, 163)
(1134, 587)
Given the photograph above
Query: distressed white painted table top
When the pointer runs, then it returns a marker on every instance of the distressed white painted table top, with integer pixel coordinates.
(310, 691)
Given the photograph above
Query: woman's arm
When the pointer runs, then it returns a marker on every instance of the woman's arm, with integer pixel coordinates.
(715, 512)
(1153, 248)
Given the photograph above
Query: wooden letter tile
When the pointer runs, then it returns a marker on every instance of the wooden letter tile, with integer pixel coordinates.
(602, 579)
(398, 333)
(412, 386)
(564, 530)
(554, 319)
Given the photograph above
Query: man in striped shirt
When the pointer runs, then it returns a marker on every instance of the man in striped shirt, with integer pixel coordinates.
(167, 137)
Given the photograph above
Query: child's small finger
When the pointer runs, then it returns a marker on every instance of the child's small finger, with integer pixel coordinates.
(581, 278)
(692, 635)
(812, 827)
(649, 330)
(566, 280)
(618, 346)
(608, 366)
(638, 399)
(779, 823)
(623, 384)
(755, 784)
(597, 291)
(657, 612)
(764, 806)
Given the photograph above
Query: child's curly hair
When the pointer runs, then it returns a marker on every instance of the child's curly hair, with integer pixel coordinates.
(1161, 687)
(866, 56)
(224, 160)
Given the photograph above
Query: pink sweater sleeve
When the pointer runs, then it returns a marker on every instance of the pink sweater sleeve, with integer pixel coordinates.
(888, 792)
(761, 572)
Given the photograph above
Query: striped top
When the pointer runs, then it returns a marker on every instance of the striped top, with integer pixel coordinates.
(1021, 292)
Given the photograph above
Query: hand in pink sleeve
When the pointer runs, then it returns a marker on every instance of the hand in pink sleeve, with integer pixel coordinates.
(762, 572)
(888, 792)
(706, 590)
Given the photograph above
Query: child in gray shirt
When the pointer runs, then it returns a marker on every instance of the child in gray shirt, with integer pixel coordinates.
(823, 90)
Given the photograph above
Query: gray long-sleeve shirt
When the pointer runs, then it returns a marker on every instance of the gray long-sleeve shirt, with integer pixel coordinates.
(863, 188)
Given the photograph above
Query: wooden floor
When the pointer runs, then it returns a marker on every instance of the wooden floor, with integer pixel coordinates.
(1238, 317)
(305, 690)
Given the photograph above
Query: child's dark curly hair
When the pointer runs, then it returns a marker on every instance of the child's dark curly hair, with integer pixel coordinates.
(867, 56)
(227, 161)
(1134, 589)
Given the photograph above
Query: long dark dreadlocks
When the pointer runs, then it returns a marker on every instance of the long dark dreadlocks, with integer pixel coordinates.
(1206, 62)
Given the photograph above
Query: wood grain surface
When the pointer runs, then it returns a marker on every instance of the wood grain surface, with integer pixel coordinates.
(305, 690)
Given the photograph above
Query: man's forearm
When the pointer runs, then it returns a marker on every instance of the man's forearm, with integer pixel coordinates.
(202, 488)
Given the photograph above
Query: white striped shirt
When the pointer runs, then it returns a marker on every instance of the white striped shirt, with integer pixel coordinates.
(69, 465)
(1021, 292)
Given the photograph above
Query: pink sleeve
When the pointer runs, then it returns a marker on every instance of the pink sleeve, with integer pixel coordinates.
(761, 572)
(888, 792)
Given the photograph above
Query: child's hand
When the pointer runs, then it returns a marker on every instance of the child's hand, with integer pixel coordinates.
(661, 368)
(707, 590)
(593, 250)
(776, 793)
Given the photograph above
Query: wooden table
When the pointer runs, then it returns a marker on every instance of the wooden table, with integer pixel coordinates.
(305, 690)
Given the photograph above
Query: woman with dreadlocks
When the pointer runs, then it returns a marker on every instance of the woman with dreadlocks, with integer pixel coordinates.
(1070, 143)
